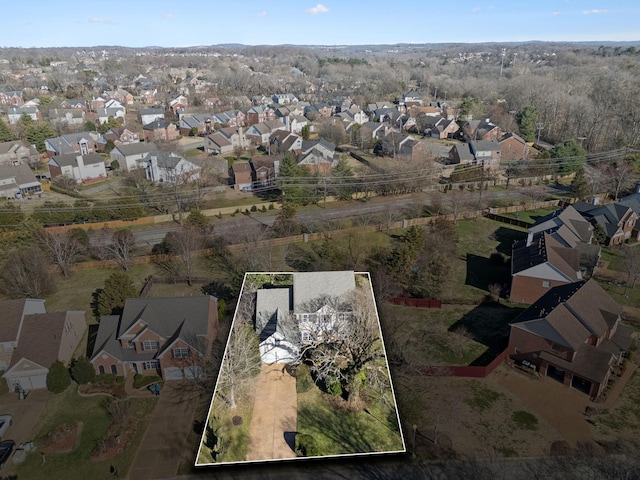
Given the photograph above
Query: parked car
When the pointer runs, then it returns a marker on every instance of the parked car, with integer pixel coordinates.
(6, 448)
(5, 422)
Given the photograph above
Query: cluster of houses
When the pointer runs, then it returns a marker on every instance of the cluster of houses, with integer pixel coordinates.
(169, 337)
(572, 331)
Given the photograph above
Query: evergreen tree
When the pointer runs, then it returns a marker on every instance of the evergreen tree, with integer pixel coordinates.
(117, 288)
(58, 378)
(82, 371)
(341, 172)
(37, 132)
(527, 122)
(6, 135)
(570, 155)
(580, 184)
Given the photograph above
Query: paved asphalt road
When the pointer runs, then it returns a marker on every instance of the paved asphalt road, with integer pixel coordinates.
(243, 227)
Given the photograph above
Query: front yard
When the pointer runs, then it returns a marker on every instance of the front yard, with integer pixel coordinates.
(93, 416)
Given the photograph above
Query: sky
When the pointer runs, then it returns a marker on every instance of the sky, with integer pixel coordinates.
(172, 23)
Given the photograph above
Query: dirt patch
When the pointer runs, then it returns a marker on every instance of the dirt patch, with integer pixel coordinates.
(118, 437)
(62, 438)
(115, 390)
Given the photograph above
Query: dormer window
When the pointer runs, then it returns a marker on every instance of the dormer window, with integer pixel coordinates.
(150, 345)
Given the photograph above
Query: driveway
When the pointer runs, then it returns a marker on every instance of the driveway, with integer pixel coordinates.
(562, 407)
(165, 440)
(26, 414)
(274, 418)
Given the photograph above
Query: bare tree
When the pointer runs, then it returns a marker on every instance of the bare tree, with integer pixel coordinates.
(63, 248)
(25, 273)
(121, 247)
(619, 176)
(184, 243)
(632, 266)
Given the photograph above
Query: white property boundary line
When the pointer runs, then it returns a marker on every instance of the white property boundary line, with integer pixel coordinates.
(345, 455)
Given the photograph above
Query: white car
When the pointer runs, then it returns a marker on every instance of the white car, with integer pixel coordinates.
(5, 422)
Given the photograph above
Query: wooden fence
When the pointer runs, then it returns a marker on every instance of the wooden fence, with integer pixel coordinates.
(463, 371)
(417, 302)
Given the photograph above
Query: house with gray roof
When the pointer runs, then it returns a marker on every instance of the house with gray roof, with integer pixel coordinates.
(18, 182)
(288, 317)
(16, 153)
(148, 115)
(131, 156)
(616, 219)
(170, 167)
(81, 143)
(170, 337)
(574, 335)
(81, 168)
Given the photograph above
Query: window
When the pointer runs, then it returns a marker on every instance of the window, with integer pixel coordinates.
(306, 337)
(546, 284)
(180, 353)
(114, 369)
(101, 369)
(150, 365)
(150, 345)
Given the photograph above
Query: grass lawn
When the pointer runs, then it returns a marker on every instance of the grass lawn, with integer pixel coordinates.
(453, 335)
(622, 421)
(339, 432)
(69, 407)
(531, 216)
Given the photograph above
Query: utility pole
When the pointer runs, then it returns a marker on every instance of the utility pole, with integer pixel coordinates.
(504, 52)
(539, 126)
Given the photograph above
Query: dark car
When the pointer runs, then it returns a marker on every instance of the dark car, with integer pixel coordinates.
(6, 448)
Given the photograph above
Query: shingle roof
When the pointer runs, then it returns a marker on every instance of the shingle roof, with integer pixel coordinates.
(40, 338)
(308, 286)
(136, 148)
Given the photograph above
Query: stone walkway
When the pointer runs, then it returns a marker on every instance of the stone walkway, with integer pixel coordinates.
(274, 418)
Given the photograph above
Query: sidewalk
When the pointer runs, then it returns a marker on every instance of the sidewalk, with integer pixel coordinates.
(617, 388)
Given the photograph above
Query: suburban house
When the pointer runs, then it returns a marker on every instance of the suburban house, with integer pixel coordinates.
(539, 263)
(483, 129)
(170, 337)
(441, 127)
(13, 97)
(295, 123)
(74, 104)
(574, 335)
(281, 141)
(217, 144)
(13, 313)
(160, 130)
(264, 170)
(32, 340)
(81, 143)
(161, 167)
(409, 99)
(318, 156)
(15, 114)
(69, 117)
(241, 175)
(118, 136)
(81, 168)
(286, 318)
(260, 113)
(570, 229)
(179, 103)
(260, 132)
(16, 153)
(284, 98)
(513, 147)
(234, 135)
(148, 115)
(18, 181)
(398, 144)
(117, 113)
(198, 124)
(633, 202)
(230, 118)
(485, 152)
(131, 156)
(120, 95)
(617, 220)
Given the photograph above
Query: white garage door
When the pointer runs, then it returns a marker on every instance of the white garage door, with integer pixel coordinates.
(176, 373)
(32, 382)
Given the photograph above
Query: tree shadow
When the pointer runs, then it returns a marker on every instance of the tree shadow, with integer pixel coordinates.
(482, 272)
(488, 323)
(506, 238)
(92, 334)
(290, 439)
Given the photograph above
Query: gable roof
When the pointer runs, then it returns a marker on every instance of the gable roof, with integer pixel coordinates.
(136, 148)
(12, 313)
(71, 159)
(543, 249)
(568, 222)
(308, 286)
(608, 216)
(157, 124)
(40, 338)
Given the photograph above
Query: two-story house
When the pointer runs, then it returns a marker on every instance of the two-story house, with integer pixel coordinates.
(81, 143)
(131, 157)
(617, 220)
(81, 168)
(574, 335)
(170, 337)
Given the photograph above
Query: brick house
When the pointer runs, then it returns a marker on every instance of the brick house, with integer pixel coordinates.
(160, 130)
(513, 147)
(540, 263)
(574, 335)
(170, 337)
(617, 220)
(241, 174)
(16, 153)
(264, 169)
(483, 129)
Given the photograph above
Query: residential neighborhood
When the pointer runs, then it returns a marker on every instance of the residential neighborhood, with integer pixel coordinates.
(407, 257)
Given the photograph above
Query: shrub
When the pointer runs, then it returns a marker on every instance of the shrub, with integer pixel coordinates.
(58, 378)
(333, 387)
(254, 208)
(525, 420)
(263, 209)
(271, 206)
(82, 371)
(303, 379)
(106, 378)
(306, 446)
